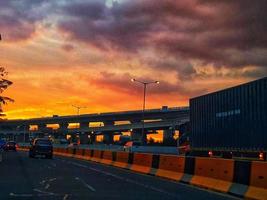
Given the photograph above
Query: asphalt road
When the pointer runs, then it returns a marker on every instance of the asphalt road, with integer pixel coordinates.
(65, 178)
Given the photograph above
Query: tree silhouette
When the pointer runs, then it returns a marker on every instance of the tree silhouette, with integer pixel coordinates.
(4, 84)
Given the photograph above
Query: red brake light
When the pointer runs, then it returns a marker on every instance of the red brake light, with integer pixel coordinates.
(210, 153)
(261, 156)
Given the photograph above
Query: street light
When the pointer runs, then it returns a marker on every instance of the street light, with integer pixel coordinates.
(78, 108)
(145, 84)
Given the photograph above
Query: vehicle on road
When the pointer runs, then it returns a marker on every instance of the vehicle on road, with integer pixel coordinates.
(41, 146)
(73, 145)
(10, 146)
(131, 146)
(63, 141)
(2, 143)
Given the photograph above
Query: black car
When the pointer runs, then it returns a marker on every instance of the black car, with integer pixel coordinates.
(10, 146)
(41, 147)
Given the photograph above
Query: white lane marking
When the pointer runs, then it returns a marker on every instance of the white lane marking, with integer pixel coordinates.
(49, 180)
(20, 195)
(52, 179)
(47, 186)
(27, 195)
(54, 164)
(107, 173)
(65, 196)
(85, 184)
(43, 192)
(79, 165)
(126, 179)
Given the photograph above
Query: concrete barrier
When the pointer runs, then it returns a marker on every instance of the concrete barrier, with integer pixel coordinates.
(142, 162)
(63, 152)
(87, 154)
(258, 181)
(69, 152)
(1, 154)
(171, 167)
(79, 153)
(107, 157)
(122, 159)
(213, 173)
(97, 156)
(247, 179)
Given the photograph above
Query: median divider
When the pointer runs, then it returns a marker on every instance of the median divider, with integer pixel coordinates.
(213, 173)
(246, 179)
(142, 162)
(79, 153)
(107, 157)
(97, 156)
(122, 159)
(87, 154)
(258, 181)
(171, 167)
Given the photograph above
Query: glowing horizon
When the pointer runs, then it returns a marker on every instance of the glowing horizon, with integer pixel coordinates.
(85, 53)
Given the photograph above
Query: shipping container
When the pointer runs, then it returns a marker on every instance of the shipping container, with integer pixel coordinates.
(233, 119)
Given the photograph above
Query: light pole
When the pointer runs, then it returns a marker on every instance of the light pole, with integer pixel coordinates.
(24, 131)
(78, 113)
(78, 108)
(145, 84)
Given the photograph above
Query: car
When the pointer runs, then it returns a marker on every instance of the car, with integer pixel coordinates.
(63, 141)
(11, 145)
(2, 143)
(73, 145)
(131, 146)
(41, 146)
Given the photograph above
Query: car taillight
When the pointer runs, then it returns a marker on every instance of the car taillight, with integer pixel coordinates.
(261, 156)
(17, 146)
(210, 153)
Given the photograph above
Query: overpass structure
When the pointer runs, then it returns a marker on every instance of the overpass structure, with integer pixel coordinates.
(88, 126)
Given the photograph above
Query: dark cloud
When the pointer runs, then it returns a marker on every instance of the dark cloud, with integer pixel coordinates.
(211, 32)
(176, 34)
(18, 18)
(122, 83)
(68, 47)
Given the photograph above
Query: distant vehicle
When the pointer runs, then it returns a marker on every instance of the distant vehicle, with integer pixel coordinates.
(63, 141)
(124, 139)
(41, 147)
(183, 144)
(11, 145)
(2, 143)
(131, 146)
(73, 145)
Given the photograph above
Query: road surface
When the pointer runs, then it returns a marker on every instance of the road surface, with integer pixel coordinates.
(66, 178)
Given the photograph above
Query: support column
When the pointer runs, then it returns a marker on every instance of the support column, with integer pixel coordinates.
(108, 123)
(84, 125)
(84, 138)
(108, 138)
(63, 129)
(137, 135)
(91, 138)
(168, 136)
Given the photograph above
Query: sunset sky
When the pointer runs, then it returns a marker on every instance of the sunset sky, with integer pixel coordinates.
(84, 52)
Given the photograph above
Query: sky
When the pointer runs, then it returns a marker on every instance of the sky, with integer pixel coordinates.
(85, 52)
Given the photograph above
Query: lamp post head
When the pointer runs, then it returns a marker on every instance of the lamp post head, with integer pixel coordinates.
(157, 82)
(133, 80)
